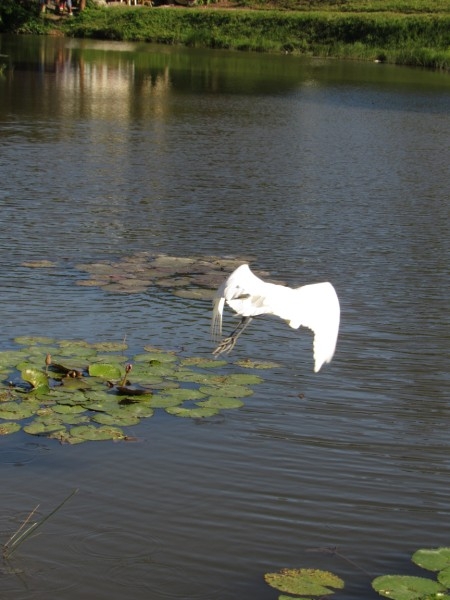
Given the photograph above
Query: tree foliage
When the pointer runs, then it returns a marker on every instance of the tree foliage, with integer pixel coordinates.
(14, 13)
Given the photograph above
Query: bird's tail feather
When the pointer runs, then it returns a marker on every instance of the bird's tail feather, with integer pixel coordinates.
(216, 323)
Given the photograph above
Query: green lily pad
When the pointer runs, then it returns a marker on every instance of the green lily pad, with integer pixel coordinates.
(206, 363)
(162, 401)
(9, 427)
(43, 426)
(76, 419)
(67, 409)
(64, 395)
(444, 577)
(92, 433)
(433, 559)
(26, 340)
(110, 346)
(138, 409)
(106, 371)
(114, 359)
(304, 581)
(74, 384)
(63, 436)
(246, 363)
(159, 370)
(184, 394)
(16, 410)
(119, 417)
(406, 587)
(107, 405)
(194, 413)
(8, 358)
(37, 378)
(155, 357)
(243, 379)
(221, 403)
(231, 391)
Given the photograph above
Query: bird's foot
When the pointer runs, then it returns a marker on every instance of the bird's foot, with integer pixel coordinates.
(226, 345)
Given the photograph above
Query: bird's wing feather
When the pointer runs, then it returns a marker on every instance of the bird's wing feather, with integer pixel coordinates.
(318, 309)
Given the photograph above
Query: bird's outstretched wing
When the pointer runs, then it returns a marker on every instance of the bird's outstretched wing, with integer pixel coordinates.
(318, 309)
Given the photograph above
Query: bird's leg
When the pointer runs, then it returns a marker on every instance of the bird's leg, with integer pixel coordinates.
(228, 343)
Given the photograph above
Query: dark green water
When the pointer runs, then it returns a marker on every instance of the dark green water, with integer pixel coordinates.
(316, 170)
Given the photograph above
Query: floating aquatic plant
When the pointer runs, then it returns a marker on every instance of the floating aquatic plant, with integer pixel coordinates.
(312, 582)
(406, 587)
(74, 391)
(186, 277)
(300, 583)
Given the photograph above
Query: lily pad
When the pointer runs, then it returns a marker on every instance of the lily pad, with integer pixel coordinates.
(184, 394)
(444, 577)
(195, 294)
(231, 391)
(246, 363)
(106, 371)
(67, 409)
(304, 581)
(433, 559)
(26, 340)
(110, 346)
(162, 401)
(9, 358)
(117, 418)
(92, 433)
(221, 403)
(43, 426)
(205, 363)
(140, 410)
(16, 410)
(194, 413)
(152, 357)
(406, 587)
(107, 405)
(9, 427)
(243, 379)
(37, 378)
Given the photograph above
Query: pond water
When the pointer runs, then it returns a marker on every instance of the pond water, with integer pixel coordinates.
(310, 169)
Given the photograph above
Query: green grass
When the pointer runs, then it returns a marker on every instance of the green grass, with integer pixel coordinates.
(413, 39)
(409, 32)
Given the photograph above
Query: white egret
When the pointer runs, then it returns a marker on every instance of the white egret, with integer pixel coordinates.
(315, 306)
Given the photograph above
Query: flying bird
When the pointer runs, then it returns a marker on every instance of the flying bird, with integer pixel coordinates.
(315, 306)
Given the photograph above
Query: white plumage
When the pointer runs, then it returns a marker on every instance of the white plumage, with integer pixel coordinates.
(315, 306)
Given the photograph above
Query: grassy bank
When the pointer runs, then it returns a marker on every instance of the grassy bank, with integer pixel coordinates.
(396, 31)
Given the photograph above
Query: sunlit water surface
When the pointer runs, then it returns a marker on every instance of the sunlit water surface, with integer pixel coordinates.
(315, 170)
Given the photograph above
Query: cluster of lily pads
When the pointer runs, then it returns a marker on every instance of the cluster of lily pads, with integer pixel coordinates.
(303, 584)
(75, 391)
(184, 276)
